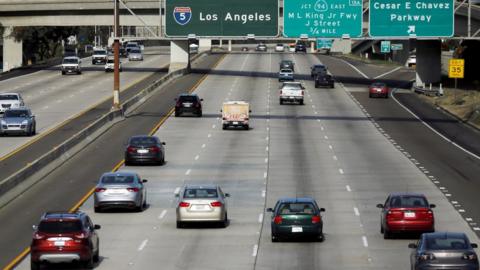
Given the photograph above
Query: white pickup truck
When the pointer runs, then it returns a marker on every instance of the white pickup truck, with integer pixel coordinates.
(292, 92)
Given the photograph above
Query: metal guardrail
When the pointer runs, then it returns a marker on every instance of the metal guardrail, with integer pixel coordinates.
(428, 91)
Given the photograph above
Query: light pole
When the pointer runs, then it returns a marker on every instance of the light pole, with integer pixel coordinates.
(116, 50)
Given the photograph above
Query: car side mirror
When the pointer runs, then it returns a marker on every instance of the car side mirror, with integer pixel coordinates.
(227, 195)
(412, 245)
(177, 195)
(97, 227)
(322, 209)
(144, 180)
(269, 209)
(221, 110)
(249, 111)
(474, 245)
(163, 143)
(379, 205)
(432, 205)
(201, 99)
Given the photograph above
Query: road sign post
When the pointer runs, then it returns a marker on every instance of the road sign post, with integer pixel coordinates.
(226, 18)
(322, 18)
(411, 18)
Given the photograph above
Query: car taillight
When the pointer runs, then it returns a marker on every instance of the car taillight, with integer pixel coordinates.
(100, 189)
(197, 105)
(133, 189)
(277, 220)
(430, 214)
(426, 256)
(81, 235)
(394, 214)
(154, 149)
(38, 236)
(131, 149)
(316, 219)
(184, 204)
(216, 204)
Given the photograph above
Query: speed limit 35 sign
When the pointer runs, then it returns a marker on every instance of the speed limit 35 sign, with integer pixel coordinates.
(456, 68)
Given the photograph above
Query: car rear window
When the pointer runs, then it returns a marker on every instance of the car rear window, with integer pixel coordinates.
(65, 226)
(408, 201)
(143, 141)
(70, 61)
(8, 97)
(296, 209)
(200, 193)
(16, 113)
(378, 85)
(447, 243)
(188, 99)
(100, 52)
(118, 179)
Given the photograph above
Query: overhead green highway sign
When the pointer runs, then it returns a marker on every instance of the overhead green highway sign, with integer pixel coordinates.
(411, 18)
(322, 18)
(225, 18)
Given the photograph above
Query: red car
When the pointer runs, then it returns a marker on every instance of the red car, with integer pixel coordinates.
(63, 237)
(378, 89)
(406, 212)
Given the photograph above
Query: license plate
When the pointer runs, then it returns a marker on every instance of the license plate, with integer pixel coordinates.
(200, 207)
(188, 105)
(235, 123)
(297, 229)
(142, 151)
(59, 243)
(409, 214)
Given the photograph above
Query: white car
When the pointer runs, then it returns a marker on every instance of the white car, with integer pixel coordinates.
(71, 64)
(109, 66)
(99, 56)
(411, 61)
(135, 55)
(193, 48)
(279, 48)
(10, 101)
(292, 92)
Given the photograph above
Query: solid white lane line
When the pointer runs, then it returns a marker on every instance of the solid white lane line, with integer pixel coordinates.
(264, 193)
(142, 245)
(255, 250)
(188, 172)
(266, 160)
(266, 149)
(265, 175)
(177, 190)
(266, 138)
(203, 145)
(364, 240)
(348, 188)
(260, 218)
(340, 171)
(357, 213)
(197, 157)
(162, 215)
(388, 72)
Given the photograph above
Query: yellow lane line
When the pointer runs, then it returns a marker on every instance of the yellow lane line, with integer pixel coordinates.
(25, 252)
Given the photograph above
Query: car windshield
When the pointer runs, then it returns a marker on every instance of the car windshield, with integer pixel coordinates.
(102, 52)
(292, 86)
(381, 85)
(143, 141)
(296, 209)
(187, 99)
(8, 97)
(286, 63)
(132, 45)
(280, 45)
(286, 71)
(58, 227)
(135, 51)
(118, 179)
(70, 61)
(200, 193)
(16, 113)
(408, 201)
(447, 243)
(110, 61)
(317, 68)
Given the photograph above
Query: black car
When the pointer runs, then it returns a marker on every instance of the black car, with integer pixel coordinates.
(261, 47)
(188, 103)
(145, 149)
(316, 69)
(325, 80)
(443, 250)
(300, 47)
(288, 64)
(296, 217)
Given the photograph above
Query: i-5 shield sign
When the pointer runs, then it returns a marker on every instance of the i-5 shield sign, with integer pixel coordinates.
(182, 15)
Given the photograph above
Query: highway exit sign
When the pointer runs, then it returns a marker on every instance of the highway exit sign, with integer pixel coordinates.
(225, 18)
(411, 18)
(322, 18)
(385, 46)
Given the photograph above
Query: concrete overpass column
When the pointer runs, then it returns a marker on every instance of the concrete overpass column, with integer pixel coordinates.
(343, 46)
(204, 44)
(12, 51)
(428, 62)
(229, 45)
(179, 55)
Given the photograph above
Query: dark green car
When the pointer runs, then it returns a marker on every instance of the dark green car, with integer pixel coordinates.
(297, 217)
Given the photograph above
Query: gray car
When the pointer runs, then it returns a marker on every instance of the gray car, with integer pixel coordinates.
(135, 55)
(202, 203)
(18, 121)
(443, 250)
(120, 190)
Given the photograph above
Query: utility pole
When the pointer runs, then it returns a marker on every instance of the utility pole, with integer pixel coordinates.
(116, 50)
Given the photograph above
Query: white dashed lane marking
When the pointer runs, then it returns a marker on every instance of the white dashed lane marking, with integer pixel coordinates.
(142, 245)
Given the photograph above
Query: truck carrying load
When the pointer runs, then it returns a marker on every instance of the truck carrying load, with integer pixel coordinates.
(235, 114)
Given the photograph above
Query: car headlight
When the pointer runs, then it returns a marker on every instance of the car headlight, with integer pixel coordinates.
(469, 256)
(426, 257)
(25, 122)
(3, 122)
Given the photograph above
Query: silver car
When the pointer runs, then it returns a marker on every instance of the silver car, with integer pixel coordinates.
(18, 121)
(135, 55)
(120, 190)
(443, 250)
(202, 203)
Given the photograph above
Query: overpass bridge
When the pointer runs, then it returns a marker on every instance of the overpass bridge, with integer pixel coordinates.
(150, 14)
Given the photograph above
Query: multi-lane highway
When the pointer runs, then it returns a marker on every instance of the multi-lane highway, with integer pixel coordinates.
(328, 148)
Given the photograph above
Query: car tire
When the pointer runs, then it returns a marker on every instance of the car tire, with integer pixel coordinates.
(247, 127)
(332, 86)
(97, 209)
(320, 237)
(316, 85)
(381, 229)
(89, 264)
(370, 95)
(177, 114)
(301, 102)
(79, 72)
(180, 225)
(34, 265)
(387, 234)
(128, 162)
(386, 95)
(199, 114)
(281, 102)
(96, 256)
(275, 238)
(224, 127)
